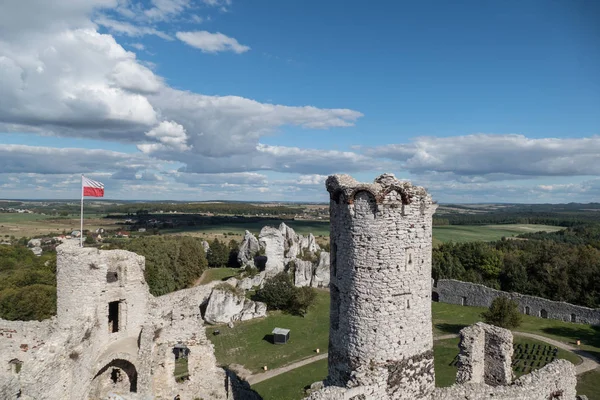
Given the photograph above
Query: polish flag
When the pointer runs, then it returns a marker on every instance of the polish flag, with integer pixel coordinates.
(92, 188)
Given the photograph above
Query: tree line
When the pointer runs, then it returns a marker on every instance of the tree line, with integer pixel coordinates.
(540, 265)
(27, 284)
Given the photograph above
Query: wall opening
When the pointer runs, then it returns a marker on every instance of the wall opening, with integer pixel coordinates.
(116, 375)
(181, 371)
(112, 276)
(543, 313)
(113, 316)
(408, 304)
(463, 301)
(527, 310)
(573, 318)
(15, 365)
(435, 296)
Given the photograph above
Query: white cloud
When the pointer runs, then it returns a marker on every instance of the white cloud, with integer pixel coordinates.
(496, 156)
(48, 160)
(138, 46)
(165, 9)
(126, 28)
(170, 134)
(211, 42)
(239, 178)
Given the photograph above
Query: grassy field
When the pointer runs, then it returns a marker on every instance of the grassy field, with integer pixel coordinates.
(589, 384)
(470, 233)
(451, 318)
(290, 386)
(19, 225)
(445, 353)
(249, 343)
(217, 274)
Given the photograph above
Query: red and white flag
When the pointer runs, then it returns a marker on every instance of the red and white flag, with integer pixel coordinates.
(92, 188)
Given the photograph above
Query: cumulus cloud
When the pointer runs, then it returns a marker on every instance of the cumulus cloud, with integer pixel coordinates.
(47, 160)
(211, 42)
(496, 156)
(128, 29)
(239, 178)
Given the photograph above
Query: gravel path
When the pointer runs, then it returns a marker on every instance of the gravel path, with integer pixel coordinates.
(589, 361)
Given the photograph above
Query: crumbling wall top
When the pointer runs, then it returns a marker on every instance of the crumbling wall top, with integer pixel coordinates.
(347, 186)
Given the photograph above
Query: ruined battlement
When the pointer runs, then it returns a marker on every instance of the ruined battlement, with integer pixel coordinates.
(344, 188)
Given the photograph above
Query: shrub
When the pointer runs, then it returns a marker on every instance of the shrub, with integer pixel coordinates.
(503, 312)
(277, 292)
(302, 300)
(280, 294)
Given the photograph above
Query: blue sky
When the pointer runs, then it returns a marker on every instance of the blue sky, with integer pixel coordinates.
(478, 101)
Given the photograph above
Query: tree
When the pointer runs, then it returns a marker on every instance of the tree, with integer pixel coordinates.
(503, 312)
(277, 292)
(302, 300)
(218, 254)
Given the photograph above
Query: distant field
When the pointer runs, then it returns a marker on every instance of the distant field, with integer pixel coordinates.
(469, 233)
(29, 225)
(36, 224)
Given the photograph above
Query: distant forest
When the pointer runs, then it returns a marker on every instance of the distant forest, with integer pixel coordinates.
(562, 266)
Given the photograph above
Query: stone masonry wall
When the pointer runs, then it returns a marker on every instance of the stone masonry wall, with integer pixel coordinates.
(380, 285)
(556, 380)
(74, 355)
(472, 294)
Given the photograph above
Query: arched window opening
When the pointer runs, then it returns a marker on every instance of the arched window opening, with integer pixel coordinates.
(527, 310)
(543, 313)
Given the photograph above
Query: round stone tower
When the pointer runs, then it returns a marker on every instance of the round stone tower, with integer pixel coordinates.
(381, 286)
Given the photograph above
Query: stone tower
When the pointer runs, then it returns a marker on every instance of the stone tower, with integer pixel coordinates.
(380, 324)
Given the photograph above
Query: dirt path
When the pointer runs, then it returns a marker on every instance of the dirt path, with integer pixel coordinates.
(253, 379)
(588, 363)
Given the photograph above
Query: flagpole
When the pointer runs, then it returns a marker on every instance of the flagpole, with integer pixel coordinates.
(81, 229)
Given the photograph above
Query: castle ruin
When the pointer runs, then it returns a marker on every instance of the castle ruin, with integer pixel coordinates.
(381, 339)
(110, 337)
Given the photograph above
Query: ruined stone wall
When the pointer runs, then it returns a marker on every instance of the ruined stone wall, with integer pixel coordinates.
(75, 355)
(472, 294)
(380, 285)
(556, 380)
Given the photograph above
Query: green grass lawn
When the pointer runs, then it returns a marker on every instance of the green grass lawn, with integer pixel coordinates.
(181, 369)
(589, 384)
(445, 353)
(470, 233)
(218, 274)
(248, 342)
(290, 386)
(451, 318)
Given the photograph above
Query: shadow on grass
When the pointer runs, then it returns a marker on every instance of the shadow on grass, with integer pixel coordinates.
(450, 328)
(237, 388)
(587, 336)
(269, 338)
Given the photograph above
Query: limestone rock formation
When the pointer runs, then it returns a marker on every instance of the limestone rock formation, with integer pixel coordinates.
(226, 305)
(303, 272)
(271, 240)
(248, 249)
(284, 250)
(249, 282)
(223, 305)
(321, 272)
(205, 246)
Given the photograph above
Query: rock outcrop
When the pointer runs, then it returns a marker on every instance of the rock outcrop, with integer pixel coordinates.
(271, 240)
(226, 305)
(282, 249)
(303, 272)
(320, 277)
(248, 249)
